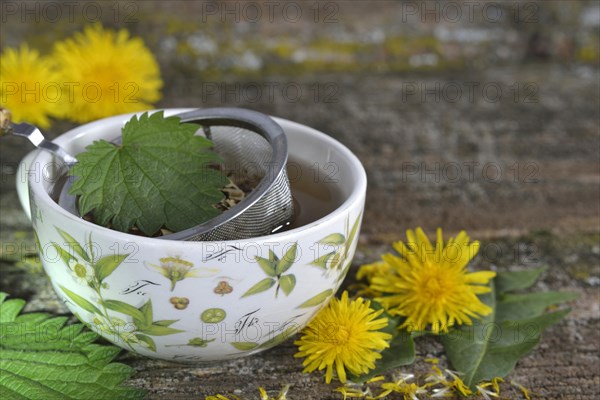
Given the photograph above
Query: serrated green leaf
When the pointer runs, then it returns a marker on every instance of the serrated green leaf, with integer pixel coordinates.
(106, 265)
(321, 262)
(287, 260)
(159, 176)
(80, 301)
(158, 330)
(124, 308)
(266, 266)
(73, 244)
(521, 306)
(261, 286)
(493, 345)
(508, 281)
(335, 239)
(10, 309)
(317, 299)
(287, 283)
(58, 361)
(244, 346)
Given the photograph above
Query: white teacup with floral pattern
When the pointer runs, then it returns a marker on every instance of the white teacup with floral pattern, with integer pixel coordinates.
(196, 301)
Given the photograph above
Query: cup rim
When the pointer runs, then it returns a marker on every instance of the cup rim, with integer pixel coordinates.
(356, 194)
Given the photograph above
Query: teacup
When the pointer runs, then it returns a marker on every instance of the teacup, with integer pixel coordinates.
(199, 301)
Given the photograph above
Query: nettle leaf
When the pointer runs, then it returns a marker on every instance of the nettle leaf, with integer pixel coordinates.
(158, 177)
(493, 345)
(57, 362)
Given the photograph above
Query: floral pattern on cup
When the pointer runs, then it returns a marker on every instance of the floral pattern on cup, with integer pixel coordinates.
(176, 269)
(340, 244)
(275, 268)
(137, 324)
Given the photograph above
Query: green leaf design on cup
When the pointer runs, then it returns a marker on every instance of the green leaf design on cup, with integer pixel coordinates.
(274, 268)
(244, 346)
(317, 299)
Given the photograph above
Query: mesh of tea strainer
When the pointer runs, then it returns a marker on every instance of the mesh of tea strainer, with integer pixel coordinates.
(253, 147)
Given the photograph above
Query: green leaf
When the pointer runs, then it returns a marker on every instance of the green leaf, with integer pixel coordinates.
(287, 283)
(159, 176)
(321, 262)
(521, 306)
(317, 299)
(352, 233)
(106, 265)
(261, 286)
(80, 301)
(61, 365)
(266, 266)
(165, 322)
(146, 310)
(148, 340)
(158, 330)
(335, 239)
(273, 259)
(517, 280)
(244, 346)
(64, 255)
(493, 345)
(124, 308)
(73, 244)
(287, 260)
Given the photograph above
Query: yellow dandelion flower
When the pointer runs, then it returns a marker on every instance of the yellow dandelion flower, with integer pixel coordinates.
(431, 286)
(345, 334)
(29, 86)
(104, 73)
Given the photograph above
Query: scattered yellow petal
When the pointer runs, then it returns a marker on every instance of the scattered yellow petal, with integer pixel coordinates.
(522, 389)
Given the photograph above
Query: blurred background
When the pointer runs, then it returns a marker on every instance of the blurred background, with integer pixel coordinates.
(479, 115)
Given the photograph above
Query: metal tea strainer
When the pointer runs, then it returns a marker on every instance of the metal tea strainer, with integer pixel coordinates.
(253, 147)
